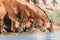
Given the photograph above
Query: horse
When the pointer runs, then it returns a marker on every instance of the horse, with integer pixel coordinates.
(35, 14)
(21, 14)
(11, 15)
(43, 16)
(24, 13)
(29, 13)
(40, 12)
(12, 5)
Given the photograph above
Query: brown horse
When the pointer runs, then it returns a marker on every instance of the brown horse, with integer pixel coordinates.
(13, 6)
(39, 12)
(20, 8)
(17, 7)
(26, 12)
(12, 16)
(29, 13)
(35, 13)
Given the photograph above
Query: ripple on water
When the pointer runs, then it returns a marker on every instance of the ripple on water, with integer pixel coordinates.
(34, 36)
(53, 36)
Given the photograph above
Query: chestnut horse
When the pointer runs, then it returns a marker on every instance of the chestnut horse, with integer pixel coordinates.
(34, 15)
(9, 11)
(14, 7)
(18, 10)
(22, 11)
(29, 13)
(40, 12)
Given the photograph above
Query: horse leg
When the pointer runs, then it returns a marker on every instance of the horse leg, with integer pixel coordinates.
(14, 19)
(12, 27)
(2, 28)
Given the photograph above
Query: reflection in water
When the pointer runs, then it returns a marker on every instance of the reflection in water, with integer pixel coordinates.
(53, 36)
(34, 36)
(17, 37)
(48, 36)
(56, 35)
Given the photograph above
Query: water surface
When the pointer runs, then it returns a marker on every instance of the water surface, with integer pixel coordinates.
(34, 36)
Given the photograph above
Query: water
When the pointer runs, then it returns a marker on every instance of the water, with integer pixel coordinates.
(34, 36)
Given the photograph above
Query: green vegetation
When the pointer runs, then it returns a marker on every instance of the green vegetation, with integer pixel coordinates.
(55, 17)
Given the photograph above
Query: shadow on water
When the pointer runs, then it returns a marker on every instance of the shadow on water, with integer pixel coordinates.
(34, 36)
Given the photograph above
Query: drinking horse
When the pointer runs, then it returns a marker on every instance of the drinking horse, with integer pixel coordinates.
(41, 13)
(29, 13)
(21, 10)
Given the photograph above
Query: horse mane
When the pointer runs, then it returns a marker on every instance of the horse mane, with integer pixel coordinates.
(42, 10)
